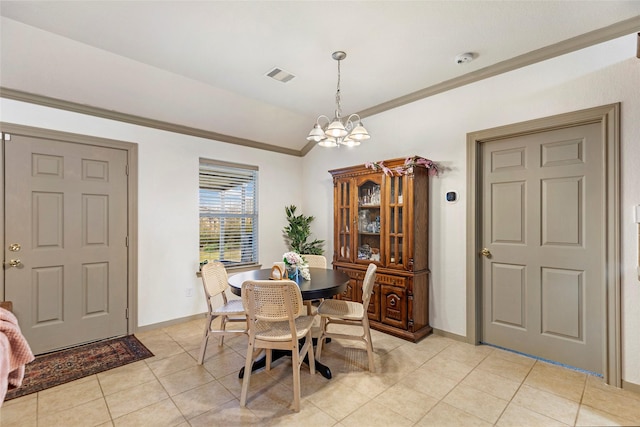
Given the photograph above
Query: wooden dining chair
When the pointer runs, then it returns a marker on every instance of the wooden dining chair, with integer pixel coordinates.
(273, 310)
(342, 312)
(215, 283)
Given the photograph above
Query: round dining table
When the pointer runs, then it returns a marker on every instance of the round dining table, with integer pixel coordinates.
(324, 283)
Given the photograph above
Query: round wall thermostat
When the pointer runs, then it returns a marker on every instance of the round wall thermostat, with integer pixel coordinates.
(451, 197)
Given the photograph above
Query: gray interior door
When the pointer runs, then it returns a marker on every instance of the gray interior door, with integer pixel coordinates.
(66, 211)
(543, 225)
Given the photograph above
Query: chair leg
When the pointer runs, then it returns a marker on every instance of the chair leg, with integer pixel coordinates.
(223, 326)
(295, 361)
(247, 372)
(323, 326)
(309, 352)
(205, 340)
(367, 331)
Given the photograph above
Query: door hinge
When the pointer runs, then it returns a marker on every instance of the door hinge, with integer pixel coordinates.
(126, 241)
(126, 170)
(6, 136)
(126, 312)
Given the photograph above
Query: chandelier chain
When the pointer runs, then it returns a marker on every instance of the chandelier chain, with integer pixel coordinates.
(338, 104)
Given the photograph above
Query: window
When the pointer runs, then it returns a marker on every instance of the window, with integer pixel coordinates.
(228, 213)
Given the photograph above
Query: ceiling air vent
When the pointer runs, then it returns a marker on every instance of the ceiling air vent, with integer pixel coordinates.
(280, 75)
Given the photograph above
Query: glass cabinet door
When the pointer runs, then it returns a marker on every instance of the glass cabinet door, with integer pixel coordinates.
(369, 217)
(395, 208)
(344, 225)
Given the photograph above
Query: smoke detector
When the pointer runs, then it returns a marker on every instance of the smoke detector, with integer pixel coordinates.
(463, 58)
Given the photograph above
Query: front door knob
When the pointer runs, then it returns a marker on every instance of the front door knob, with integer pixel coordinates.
(15, 263)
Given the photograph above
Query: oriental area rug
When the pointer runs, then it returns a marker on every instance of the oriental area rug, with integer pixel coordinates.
(52, 369)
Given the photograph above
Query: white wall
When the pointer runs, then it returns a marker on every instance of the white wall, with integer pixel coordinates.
(436, 128)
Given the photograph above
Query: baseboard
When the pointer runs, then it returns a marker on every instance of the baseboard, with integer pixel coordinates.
(450, 335)
(635, 388)
(172, 322)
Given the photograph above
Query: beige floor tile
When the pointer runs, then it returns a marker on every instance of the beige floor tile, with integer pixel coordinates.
(225, 362)
(373, 415)
(186, 379)
(134, 398)
(202, 399)
(68, 395)
(163, 413)
(482, 405)
(614, 401)
(445, 415)
(309, 416)
(172, 364)
(589, 416)
(447, 367)
(230, 414)
(161, 345)
(410, 403)
(465, 353)
(548, 404)
(126, 376)
(338, 400)
(89, 414)
(492, 384)
(19, 412)
(517, 416)
(558, 380)
(513, 367)
(429, 383)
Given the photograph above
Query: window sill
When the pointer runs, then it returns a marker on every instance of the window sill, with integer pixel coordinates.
(232, 270)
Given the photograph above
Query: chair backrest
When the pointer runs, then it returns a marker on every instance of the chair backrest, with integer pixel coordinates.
(315, 261)
(367, 284)
(214, 278)
(271, 300)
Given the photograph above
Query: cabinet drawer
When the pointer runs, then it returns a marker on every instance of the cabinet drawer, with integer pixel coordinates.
(386, 279)
(393, 306)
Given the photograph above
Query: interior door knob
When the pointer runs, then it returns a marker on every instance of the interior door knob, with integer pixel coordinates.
(486, 252)
(14, 263)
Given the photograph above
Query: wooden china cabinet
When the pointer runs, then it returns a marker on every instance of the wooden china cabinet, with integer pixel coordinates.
(384, 219)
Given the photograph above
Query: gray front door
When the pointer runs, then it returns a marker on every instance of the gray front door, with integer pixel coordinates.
(543, 228)
(66, 208)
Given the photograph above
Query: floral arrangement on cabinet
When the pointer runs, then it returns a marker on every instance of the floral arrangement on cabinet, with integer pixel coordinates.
(293, 261)
(409, 163)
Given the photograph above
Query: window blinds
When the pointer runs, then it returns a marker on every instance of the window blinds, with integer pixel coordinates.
(228, 213)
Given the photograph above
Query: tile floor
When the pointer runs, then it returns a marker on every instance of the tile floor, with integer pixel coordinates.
(436, 382)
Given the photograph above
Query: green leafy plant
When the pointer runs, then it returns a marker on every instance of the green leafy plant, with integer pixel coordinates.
(298, 232)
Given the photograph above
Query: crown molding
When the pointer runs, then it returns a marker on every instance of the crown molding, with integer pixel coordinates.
(139, 120)
(582, 41)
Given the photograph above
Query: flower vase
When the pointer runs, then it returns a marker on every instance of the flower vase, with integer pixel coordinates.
(292, 272)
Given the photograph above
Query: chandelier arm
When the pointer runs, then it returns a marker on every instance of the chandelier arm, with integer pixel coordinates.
(322, 116)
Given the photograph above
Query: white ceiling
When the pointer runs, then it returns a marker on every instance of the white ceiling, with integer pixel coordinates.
(394, 48)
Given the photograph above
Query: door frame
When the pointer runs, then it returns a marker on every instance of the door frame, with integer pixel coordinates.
(132, 198)
(609, 118)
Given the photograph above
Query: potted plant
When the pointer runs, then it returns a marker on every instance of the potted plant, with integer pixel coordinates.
(298, 232)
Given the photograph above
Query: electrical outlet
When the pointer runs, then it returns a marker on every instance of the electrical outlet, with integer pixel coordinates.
(188, 292)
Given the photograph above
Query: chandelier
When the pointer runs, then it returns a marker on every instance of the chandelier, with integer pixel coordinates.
(336, 132)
